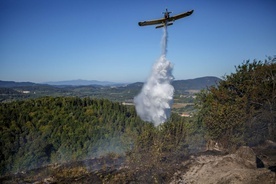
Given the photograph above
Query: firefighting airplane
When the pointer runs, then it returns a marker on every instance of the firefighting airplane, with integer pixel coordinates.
(167, 20)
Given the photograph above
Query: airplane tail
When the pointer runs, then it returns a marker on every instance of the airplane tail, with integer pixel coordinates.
(166, 11)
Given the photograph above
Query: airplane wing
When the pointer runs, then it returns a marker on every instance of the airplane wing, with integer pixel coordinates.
(163, 20)
(182, 15)
(151, 22)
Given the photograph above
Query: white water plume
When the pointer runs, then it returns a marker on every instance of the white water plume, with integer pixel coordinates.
(154, 102)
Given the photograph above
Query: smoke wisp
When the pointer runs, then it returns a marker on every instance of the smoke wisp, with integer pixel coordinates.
(154, 102)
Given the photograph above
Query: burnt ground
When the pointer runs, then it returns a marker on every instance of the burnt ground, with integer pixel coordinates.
(87, 171)
(244, 166)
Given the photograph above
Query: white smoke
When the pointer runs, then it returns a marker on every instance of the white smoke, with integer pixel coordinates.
(154, 102)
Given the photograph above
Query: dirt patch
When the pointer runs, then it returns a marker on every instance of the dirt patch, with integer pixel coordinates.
(181, 105)
(219, 169)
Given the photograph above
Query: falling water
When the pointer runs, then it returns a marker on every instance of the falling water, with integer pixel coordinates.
(154, 102)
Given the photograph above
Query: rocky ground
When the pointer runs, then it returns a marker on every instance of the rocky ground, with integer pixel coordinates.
(219, 169)
(246, 165)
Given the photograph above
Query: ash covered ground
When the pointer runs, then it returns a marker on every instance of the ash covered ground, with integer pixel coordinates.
(246, 165)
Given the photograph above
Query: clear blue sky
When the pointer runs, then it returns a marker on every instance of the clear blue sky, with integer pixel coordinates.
(55, 40)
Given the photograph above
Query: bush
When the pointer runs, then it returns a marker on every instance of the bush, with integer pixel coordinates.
(241, 109)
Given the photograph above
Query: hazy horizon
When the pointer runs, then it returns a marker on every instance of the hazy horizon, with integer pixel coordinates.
(88, 80)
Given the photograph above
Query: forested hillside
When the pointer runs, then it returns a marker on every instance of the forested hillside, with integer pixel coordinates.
(48, 130)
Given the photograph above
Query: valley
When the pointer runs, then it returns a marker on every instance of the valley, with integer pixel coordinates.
(184, 96)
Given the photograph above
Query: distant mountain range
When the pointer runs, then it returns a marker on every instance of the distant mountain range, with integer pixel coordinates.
(195, 84)
(81, 82)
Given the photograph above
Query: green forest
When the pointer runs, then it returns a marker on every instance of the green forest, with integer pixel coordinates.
(48, 130)
(240, 110)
